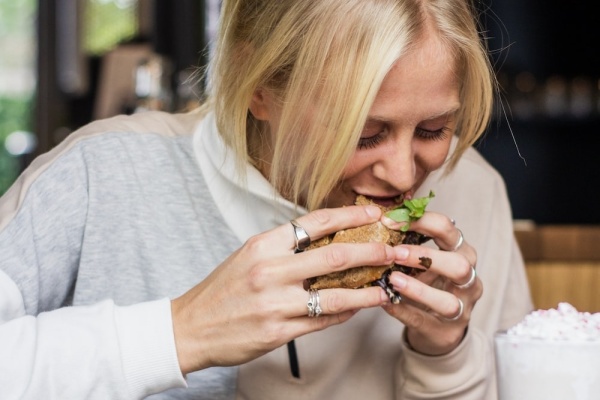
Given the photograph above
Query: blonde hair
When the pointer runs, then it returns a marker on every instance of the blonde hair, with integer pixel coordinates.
(327, 59)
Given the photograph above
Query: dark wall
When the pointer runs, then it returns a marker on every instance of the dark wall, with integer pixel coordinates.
(558, 181)
(547, 55)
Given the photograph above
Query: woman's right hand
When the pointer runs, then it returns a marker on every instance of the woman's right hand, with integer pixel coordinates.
(255, 300)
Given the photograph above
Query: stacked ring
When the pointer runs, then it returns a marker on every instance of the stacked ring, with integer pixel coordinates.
(313, 305)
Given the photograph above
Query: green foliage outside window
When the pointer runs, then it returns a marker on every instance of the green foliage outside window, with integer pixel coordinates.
(17, 78)
(107, 23)
(14, 116)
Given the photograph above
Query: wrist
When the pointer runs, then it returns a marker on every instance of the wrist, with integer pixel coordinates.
(418, 343)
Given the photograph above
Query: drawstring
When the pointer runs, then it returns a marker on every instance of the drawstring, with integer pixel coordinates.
(294, 367)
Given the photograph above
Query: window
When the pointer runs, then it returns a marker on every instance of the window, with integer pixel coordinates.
(17, 86)
(107, 23)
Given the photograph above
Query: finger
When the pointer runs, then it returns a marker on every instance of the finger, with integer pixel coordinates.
(469, 283)
(441, 228)
(323, 222)
(302, 325)
(443, 231)
(338, 301)
(332, 258)
(454, 266)
(428, 333)
(437, 301)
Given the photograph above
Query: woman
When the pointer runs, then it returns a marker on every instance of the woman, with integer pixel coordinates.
(169, 235)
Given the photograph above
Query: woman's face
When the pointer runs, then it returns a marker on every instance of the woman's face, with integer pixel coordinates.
(408, 130)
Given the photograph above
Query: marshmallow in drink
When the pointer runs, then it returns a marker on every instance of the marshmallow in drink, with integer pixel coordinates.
(551, 354)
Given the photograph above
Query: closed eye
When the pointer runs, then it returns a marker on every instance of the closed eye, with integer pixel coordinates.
(437, 134)
(370, 142)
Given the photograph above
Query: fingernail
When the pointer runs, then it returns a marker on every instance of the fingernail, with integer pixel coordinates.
(398, 281)
(401, 253)
(373, 211)
(390, 223)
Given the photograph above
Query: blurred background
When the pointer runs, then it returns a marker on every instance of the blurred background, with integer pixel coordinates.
(65, 63)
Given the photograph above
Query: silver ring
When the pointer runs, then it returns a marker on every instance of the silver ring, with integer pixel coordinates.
(469, 283)
(460, 241)
(461, 309)
(313, 305)
(302, 238)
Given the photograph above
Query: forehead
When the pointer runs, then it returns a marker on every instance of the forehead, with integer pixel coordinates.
(421, 85)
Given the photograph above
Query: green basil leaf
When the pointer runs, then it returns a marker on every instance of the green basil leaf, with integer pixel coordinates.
(410, 210)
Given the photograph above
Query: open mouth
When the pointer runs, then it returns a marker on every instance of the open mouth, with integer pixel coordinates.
(389, 201)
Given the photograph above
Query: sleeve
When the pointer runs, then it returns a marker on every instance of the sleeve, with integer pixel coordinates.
(47, 348)
(461, 374)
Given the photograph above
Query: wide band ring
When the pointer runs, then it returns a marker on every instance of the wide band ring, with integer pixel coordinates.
(460, 241)
(301, 237)
(313, 304)
(461, 309)
(469, 283)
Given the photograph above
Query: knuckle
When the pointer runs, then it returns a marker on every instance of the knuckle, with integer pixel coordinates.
(320, 217)
(256, 244)
(449, 230)
(334, 304)
(464, 267)
(414, 320)
(258, 277)
(478, 290)
(380, 251)
(453, 309)
(473, 258)
(321, 323)
(335, 257)
(272, 335)
(417, 290)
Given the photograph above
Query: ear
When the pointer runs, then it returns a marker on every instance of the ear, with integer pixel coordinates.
(260, 105)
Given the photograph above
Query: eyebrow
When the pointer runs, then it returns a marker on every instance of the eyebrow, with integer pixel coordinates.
(446, 113)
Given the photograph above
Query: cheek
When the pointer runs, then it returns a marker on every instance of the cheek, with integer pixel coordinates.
(358, 163)
(428, 156)
(432, 155)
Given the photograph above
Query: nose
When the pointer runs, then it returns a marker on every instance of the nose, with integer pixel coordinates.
(396, 166)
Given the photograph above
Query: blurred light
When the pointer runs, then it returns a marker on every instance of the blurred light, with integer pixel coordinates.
(19, 143)
(525, 82)
(582, 97)
(555, 100)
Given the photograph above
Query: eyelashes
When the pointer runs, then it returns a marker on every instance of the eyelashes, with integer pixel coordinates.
(438, 134)
(370, 142)
(423, 134)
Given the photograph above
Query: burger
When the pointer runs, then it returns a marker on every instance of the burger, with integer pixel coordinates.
(365, 276)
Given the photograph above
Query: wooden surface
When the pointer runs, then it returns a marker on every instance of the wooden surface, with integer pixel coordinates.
(577, 283)
(563, 265)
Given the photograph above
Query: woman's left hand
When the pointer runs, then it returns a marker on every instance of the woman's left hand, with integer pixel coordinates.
(437, 304)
